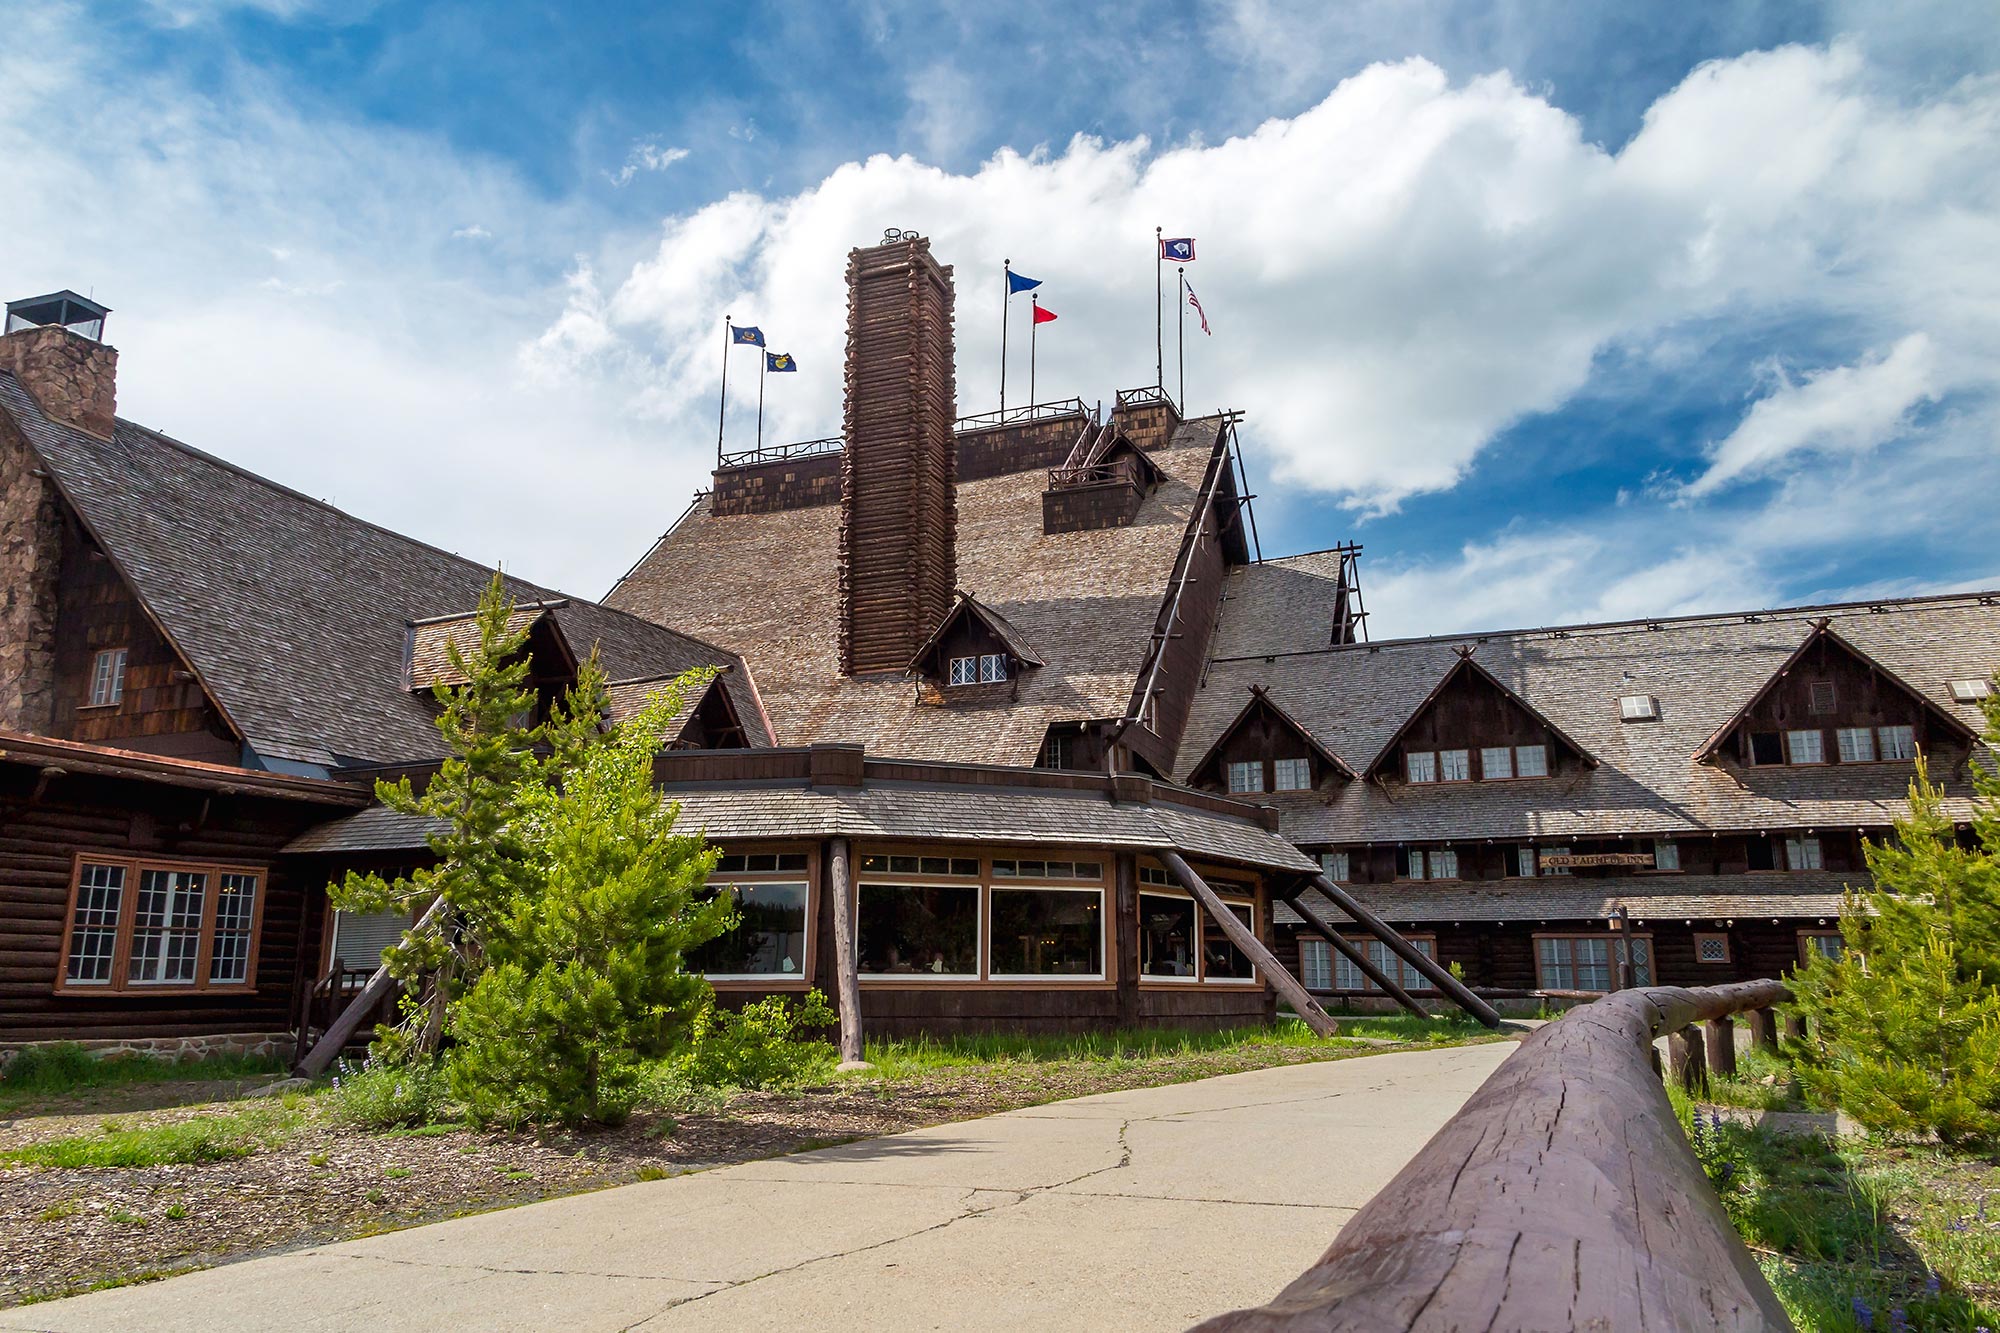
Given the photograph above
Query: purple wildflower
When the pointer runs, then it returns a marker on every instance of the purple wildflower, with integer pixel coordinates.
(1863, 1315)
(1899, 1321)
(1932, 1286)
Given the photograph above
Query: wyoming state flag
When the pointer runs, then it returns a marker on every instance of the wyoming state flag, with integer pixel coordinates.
(748, 335)
(1177, 249)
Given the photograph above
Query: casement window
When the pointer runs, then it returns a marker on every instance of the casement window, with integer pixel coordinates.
(1898, 742)
(1666, 855)
(769, 939)
(918, 929)
(1856, 745)
(992, 667)
(148, 925)
(107, 678)
(964, 671)
(1531, 761)
(1220, 959)
(1346, 976)
(1047, 933)
(1590, 962)
(1638, 708)
(1455, 765)
(1802, 854)
(1711, 948)
(1805, 747)
(1291, 775)
(1824, 943)
(1437, 863)
(1496, 762)
(1411, 863)
(1316, 964)
(1335, 866)
(1421, 766)
(1543, 868)
(1246, 776)
(1766, 747)
(1017, 869)
(1444, 863)
(1524, 862)
(1168, 938)
(1822, 698)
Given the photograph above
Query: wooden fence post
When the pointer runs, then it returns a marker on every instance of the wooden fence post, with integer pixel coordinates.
(1763, 1029)
(1795, 1026)
(1688, 1059)
(1722, 1046)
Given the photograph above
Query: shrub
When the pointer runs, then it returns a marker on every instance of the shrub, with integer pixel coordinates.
(377, 1095)
(760, 1046)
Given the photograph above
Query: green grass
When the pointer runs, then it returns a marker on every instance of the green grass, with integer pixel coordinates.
(211, 1138)
(1764, 1081)
(58, 1068)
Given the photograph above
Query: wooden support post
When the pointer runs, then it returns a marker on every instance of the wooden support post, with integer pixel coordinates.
(1125, 895)
(1246, 941)
(1356, 955)
(1764, 1029)
(1722, 1045)
(1427, 967)
(1687, 1057)
(840, 883)
(1795, 1026)
(1653, 1052)
(338, 1033)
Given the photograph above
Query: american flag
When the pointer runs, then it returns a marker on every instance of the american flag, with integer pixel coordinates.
(1195, 301)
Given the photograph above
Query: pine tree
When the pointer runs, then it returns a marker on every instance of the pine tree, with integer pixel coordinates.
(1906, 1022)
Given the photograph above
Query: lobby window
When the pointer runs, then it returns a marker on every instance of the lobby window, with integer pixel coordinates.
(1047, 933)
(1291, 774)
(769, 939)
(1220, 959)
(177, 926)
(909, 930)
(1166, 937)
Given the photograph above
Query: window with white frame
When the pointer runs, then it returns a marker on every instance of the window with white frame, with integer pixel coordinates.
(1856, 745)
(1246, 776)
(1531, 761)
(1805, 747)
(1444, 863)
(918, 929)
(1638, 708)
(964, 671)
(1346, 976)
(1970, 691)
(107, 678)
(1019, 868)
(1455, 765)
(1421, 766)
(1046, 932)
(992, 667)
(1524, 862)
(1335, 866)
(1316, 964)
(1590, 962)
(1666, 855)
(1898, 742)
(770, 935)
(1496, 762)
(1291, 774)
(1221, 960)
(1541, 861)
(1413, 862)
(1802, 854)
(156, 925)
(1168, 938)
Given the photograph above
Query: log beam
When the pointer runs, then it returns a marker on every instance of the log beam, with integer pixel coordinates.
(1356, 955)
(1427, 967)
(847, 970)
(1275, 974)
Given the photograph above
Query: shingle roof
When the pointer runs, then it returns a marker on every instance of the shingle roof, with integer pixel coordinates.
(292, 613)
(768, 585)
(1702, 670)
(432, 640)
(1561, 898)
(901, 811)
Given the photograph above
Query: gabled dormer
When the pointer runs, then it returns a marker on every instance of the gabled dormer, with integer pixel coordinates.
(1831, 703)
(552, 663)
(1266, 749)
(973, 655)
(1472, 729)
(1102, 483)
(707, 719)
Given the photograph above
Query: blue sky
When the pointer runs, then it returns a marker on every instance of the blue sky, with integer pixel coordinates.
(1565, 311)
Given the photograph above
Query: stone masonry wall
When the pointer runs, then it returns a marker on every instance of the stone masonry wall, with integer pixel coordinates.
(255, 1045)
(74, 380)
(30, 559)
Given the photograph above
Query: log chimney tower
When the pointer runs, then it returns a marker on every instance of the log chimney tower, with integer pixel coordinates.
(898, 493)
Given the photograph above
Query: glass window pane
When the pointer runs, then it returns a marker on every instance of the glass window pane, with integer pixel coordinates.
(1805, 747)
(964, 671)
(1641, 955)
(1292, 774)
(1048, 932)
(964, 865)
(1455, 765)
(1547, 869)
(1666, 856)
(1898, 742)
(1531, 761)
(1413, 863)
(1802, 854)
(992, 667)
(235, 906)
(166, 927)
(1421, 765)
(1246, 776)
(1335, 865)
(1221, 958)
(936, 865)
(1316, 964)
(93, 939)
(1552, 965)
(769, 940)
(1444, 863)
(1593, 963)
(904, 865)
(1857, 745)
(910, 929)
(1496, 762)
(1166, 936)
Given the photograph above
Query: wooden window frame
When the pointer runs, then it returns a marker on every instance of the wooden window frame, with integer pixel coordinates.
(1248, 766)
(1306, 760)
(1800, 841)
(1703, 937)
(1202, 928)
(1791, 761)
(1882, 754)
(767, 981)
(1614, 936)
(1807, 950)
(951, 672)
(115, 688)
(128, 904)
(1397, 969)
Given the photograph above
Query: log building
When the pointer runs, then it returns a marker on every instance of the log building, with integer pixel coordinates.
(1009, 702)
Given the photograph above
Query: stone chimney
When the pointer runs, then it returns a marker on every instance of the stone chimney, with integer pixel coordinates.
(53, 346)
(898, 491)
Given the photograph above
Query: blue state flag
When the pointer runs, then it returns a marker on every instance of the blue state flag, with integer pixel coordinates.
(748, 335)
(779, 362)
(1017, 283)
(1177, 249)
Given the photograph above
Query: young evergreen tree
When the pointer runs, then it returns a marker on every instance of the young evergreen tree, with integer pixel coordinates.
(1905, 1024)
(584, 974)
(482, 863)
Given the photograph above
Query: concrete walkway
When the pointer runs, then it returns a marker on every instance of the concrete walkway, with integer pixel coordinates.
(1133, 1210)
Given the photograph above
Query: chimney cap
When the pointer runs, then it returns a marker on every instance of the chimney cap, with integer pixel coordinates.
(65, 309)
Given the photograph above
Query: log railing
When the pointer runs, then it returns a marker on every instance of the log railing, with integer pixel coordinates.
(1563, 1195)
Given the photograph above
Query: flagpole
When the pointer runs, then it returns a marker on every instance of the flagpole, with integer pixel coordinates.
(1159, 338)
(1007, 281)
(1034, 336)
(763, 368)
(1180, 280)
(722, 410)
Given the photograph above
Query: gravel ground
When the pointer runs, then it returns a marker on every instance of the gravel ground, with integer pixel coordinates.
(63, 1230)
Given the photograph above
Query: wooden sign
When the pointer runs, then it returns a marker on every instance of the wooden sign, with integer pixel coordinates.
(1572, 860)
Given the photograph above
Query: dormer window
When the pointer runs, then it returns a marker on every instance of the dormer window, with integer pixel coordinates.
(974, 645)
(1265, 749)
(1805, 747)
(1246, 776)
(1421, 766)
(1455, 765)
(979, 669)
(107, 678)
(1291, 774)
(1473, 728)
(1970, 691)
